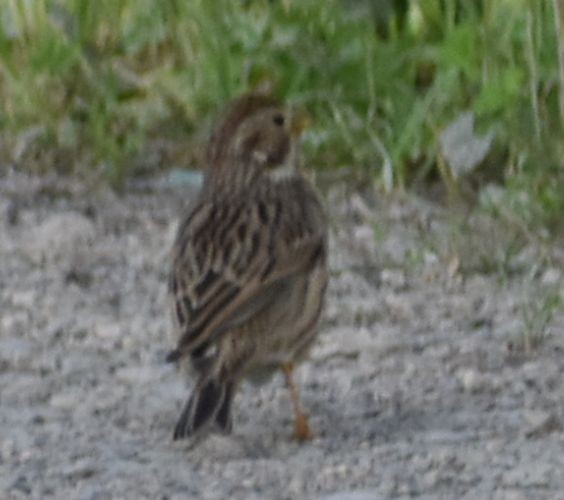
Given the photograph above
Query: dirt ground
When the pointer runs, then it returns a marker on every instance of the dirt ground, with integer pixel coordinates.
(436, 373)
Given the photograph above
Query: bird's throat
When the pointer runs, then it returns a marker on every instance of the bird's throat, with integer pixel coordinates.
(283, 172)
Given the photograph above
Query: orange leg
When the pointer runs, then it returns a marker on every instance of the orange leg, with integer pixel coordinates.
(301, 426)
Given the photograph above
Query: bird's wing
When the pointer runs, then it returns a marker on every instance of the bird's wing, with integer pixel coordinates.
(229, 258)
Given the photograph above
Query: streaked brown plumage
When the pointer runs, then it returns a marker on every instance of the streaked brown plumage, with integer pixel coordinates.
(249, 264)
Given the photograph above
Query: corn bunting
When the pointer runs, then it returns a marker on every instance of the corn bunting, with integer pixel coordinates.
(249, 268)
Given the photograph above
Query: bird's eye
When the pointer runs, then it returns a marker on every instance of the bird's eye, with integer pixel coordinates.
(278, 120)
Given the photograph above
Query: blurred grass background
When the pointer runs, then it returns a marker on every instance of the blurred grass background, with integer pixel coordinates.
(120, 88)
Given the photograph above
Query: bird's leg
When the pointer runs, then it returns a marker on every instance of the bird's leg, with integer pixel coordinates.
(301, 426)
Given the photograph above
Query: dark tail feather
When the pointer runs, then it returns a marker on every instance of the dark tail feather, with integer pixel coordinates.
(210, 403)
(223, 418)
(173, 356)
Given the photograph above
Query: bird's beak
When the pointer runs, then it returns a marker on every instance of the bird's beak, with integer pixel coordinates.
(299, 121)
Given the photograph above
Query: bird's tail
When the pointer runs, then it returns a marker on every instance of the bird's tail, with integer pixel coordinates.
(208, 406)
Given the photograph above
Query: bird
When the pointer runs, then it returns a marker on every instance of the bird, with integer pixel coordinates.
(249, 265)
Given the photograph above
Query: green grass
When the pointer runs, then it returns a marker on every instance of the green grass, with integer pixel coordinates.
(97, 88)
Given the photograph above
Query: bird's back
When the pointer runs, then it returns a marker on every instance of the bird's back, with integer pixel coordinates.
(232, 238)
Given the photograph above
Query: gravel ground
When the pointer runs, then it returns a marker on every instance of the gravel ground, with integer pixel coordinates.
(418, 385)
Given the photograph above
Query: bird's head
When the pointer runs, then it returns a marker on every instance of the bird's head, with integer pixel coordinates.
(256, 132)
